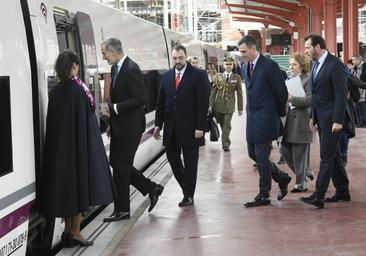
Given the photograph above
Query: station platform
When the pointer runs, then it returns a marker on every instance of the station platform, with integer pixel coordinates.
(219, 224)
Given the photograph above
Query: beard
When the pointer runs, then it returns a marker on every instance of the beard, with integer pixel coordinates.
(179, 66)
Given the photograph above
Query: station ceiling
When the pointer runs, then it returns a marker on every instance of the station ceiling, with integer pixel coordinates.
(281, 13)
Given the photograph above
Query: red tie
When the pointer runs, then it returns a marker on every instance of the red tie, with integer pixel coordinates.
(177, 81)
(251, 70)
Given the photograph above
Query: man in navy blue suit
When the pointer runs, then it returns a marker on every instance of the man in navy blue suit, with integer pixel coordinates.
(266, 103)
(329, 98)
(182, 108)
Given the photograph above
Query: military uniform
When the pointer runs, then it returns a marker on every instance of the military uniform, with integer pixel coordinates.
(222, 102)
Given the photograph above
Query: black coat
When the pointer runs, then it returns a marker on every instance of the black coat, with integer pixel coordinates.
(76, 172)
(329, 90)
(129, 94)
(184, 110)
(266, 101)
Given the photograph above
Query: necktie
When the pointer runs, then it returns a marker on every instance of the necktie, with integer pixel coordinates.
(177, 81)
(227, 78)
(313, 72)
(251, 70)
(115, 74)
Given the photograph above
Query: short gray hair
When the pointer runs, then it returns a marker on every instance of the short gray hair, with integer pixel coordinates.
(113, 44)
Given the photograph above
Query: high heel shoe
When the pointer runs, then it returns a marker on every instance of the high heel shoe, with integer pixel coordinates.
(65, 238)
(82, 243)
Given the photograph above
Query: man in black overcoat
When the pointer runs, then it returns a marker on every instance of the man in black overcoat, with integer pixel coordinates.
(127, 123)
(329, 99)
(182, 108)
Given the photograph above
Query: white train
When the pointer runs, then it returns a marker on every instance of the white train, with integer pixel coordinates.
(33, 33)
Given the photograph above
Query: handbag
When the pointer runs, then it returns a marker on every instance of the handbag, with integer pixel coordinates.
(213, 128)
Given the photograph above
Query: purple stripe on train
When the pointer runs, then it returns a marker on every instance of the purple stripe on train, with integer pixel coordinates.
(15, 219)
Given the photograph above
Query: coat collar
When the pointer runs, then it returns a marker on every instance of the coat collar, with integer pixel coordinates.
(183, 79)
(248, 82)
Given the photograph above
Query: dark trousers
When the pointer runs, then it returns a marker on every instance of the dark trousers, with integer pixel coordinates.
(361, 112)
(331, 164)
(185, 174)
(260, 154)
(343, 146)
(124, 173)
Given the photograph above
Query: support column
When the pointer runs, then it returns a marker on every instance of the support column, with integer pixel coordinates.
(346, 32)
(353, 26)
(316, 15)
(264, 37)
(330, 25)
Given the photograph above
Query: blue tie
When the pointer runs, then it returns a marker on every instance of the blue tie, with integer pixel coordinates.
(115, 74)
(313, 72)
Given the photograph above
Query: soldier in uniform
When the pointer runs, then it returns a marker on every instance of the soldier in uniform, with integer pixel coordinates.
(222, 99)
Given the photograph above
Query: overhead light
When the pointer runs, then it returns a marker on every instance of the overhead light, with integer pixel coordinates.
(291, 23)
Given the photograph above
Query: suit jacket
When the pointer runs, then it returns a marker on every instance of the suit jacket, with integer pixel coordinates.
(329, 93)
(222, 97)
(297, 128)
(266, 101)
(129, 93)
(184, 110)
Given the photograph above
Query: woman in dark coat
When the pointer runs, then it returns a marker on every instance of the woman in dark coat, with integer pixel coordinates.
(76, 173)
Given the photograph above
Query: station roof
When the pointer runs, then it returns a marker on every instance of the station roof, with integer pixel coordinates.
(285, 14)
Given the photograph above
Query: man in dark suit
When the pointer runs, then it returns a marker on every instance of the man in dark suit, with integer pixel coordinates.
(329, 90)
(266, 103)
(182, 108)
(127, 123)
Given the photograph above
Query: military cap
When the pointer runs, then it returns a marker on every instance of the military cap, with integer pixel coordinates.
(229, 60)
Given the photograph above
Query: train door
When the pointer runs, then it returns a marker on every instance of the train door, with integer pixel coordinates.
(75, 32)
(17, 153)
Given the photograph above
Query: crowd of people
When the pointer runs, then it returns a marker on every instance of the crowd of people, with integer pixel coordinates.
(77, 173)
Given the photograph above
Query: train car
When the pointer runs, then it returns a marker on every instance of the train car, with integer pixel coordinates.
(37, 32)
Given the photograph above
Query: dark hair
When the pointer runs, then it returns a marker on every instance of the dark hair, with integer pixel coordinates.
(316, 39)
(179, 47)
(248, 40)
(64, 63)
(350, 61)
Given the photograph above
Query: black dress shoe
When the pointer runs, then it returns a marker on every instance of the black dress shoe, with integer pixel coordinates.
(298, 190)
(226, 149)
(117, 216)
(82, 243)
(338, 198)
(283, 184)
(258, 201)
(313, 200)
(186, 202)
(154, 196)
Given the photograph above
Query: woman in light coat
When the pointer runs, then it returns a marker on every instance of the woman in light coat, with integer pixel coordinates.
(296, 141)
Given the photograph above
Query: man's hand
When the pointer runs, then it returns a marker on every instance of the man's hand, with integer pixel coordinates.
(313, 127)
(210, 110)
(198, 134)
(240, 113)
(337, 127)
(156, 134)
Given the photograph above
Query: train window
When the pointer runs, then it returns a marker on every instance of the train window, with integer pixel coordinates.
(152, 82)
(6, 152)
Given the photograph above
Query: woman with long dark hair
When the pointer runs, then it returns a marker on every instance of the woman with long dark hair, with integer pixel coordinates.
(76, 171)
